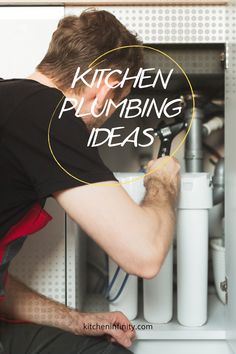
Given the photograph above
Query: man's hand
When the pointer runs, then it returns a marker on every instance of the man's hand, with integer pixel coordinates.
(164, 179)
(115, 325)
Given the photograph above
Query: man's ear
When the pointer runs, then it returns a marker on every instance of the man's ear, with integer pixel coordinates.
(105, 92)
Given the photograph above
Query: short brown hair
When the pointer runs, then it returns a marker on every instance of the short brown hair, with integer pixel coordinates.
(78, 40)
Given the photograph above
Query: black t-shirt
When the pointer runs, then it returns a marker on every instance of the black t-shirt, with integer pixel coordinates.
(39, 153)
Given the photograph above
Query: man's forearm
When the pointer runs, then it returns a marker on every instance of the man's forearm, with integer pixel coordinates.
(160, 204)
(22, 303)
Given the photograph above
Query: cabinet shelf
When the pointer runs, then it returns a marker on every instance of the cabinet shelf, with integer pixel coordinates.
(214, 329)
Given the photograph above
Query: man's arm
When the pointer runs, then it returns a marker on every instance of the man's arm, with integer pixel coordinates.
(22, 303)
(135, 237)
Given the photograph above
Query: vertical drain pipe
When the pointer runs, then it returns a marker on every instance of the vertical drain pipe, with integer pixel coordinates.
(218, 182)
(193, 146)
(192, 225)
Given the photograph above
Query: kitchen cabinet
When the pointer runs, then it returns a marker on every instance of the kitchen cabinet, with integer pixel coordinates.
(56, 264)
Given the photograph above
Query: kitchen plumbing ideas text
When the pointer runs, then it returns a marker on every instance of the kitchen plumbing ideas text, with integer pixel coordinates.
(128, 108)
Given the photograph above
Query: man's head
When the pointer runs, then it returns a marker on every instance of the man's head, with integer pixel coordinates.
(77, 42)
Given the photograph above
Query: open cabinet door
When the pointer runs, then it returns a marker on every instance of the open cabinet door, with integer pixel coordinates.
(24, 37)
(25, 32)
(230, 177)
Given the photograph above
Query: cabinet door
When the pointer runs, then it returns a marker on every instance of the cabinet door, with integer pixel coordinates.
(24, 37)
(230, 194)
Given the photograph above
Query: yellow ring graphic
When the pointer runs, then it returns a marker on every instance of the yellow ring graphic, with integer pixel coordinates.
(173, 153)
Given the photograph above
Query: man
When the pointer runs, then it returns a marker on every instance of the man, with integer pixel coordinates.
(31, 172)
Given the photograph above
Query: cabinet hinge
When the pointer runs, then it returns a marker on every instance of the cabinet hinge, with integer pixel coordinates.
(224, 287)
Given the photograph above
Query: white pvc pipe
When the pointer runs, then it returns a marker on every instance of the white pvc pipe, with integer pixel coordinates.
(158, 294)
(214, 124)
(128, 300)
(192, 248)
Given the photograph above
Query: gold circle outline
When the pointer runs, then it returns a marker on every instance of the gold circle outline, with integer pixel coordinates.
(161, 164)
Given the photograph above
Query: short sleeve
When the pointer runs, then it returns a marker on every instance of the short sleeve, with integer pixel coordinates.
(54, 152)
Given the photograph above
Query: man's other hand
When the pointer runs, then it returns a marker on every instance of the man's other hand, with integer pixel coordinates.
(115, 325)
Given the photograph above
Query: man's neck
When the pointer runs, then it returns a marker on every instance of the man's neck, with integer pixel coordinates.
(42, 79)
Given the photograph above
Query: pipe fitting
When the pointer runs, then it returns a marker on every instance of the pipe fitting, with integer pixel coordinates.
(218, 182)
